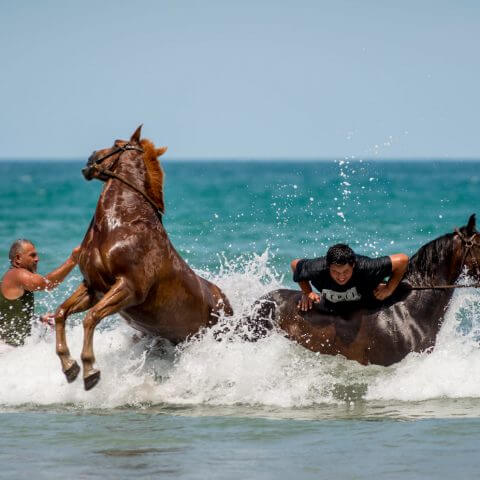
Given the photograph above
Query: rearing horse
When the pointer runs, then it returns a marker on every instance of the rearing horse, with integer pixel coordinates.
(408, 321)
(128, 263)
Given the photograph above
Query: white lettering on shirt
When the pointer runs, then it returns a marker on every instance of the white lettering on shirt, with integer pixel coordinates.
(349, 295)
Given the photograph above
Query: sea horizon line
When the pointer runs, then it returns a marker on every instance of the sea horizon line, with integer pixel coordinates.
(257, 160)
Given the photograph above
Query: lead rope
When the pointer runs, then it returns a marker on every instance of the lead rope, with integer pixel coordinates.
(444, 287)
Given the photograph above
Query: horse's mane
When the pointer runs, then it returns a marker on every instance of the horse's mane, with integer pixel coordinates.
(424, 264)
(155, 175)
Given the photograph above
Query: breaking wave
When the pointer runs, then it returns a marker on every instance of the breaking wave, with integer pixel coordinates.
(272, 372)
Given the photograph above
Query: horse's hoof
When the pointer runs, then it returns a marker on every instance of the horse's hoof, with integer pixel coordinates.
(92, 380)
(72, 372)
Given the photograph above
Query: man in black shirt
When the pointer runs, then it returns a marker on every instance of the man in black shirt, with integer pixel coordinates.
(347, 280)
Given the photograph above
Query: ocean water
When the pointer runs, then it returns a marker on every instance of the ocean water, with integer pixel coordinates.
(211, 409)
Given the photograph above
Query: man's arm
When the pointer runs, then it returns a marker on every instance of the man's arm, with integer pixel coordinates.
(57, 276)
(25, 280)
(399, 267)
(309, 296)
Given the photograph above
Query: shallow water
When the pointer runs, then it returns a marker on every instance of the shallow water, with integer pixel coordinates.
(265, 410)
(147, 445)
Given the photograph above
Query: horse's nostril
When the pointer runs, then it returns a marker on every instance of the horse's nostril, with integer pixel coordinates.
(86, 173)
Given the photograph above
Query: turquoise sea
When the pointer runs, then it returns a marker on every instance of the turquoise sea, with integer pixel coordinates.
(269, 410)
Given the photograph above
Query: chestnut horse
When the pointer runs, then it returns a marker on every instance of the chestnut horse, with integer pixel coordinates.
(385, 333)
(127, 261)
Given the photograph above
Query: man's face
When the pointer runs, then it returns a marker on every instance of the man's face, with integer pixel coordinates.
(341, 274)
(27, 258)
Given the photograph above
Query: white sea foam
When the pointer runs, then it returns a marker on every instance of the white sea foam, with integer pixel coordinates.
(271, 372)
(450, 370)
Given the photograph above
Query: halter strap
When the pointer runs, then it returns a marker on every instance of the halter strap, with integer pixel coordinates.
(126, 147)
(111, 174)
(469, 243)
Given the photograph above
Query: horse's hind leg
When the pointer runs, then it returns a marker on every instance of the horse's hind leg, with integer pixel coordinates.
(120, 296)
(80, 301)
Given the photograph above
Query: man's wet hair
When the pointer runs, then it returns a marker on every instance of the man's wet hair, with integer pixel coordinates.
(340, 254)
(17, 247)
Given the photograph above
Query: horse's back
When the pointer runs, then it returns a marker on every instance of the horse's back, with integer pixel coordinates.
(178, 305)
(365, 335)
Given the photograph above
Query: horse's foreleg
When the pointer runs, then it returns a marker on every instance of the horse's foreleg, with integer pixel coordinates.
(80, 301)
(117, 298)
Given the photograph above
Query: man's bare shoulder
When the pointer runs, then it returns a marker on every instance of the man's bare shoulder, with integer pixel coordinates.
(12, 276)
(11, 287)
(16, 280)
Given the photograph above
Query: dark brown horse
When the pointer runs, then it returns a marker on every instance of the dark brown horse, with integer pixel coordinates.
(406, 322)
(128, 263)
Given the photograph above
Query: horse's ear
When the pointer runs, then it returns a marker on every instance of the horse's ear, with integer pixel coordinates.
(136, 134)
(160, 151)
(471, 225)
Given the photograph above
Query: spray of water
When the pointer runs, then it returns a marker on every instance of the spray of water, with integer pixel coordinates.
(271, 372)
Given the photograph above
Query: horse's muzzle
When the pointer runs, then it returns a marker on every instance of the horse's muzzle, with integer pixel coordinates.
(87, 173)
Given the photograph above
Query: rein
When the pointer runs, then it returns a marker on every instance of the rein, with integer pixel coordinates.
(444, 287)
(110, 174)
(469, 243)
(119, 149)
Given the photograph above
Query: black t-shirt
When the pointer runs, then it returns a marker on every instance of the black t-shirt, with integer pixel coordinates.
(367, 274)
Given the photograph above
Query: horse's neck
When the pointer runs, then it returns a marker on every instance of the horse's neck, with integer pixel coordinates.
(134, 171)
(442, 269)
(117, 198)
(438, 269)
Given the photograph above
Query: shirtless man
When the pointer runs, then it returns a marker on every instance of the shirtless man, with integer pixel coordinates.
(18, 285)
(346, 280)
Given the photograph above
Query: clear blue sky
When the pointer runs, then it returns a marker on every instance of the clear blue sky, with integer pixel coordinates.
(241, 79)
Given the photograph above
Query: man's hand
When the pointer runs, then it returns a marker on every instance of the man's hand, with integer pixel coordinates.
(48, 319)
(383, 291)
(76, 253)
(307, 301)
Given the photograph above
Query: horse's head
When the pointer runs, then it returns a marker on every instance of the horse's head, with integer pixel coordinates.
(107, 158)
(149, 182)
(470, 249)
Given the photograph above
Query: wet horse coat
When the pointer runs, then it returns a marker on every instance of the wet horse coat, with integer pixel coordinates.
(408, 321)
(128, 263)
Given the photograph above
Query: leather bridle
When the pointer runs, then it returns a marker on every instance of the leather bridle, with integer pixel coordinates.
(469, 243)
(122, 149)
(110, 174)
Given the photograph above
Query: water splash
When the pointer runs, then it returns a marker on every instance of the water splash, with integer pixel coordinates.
(272, 372)
(450, 370)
